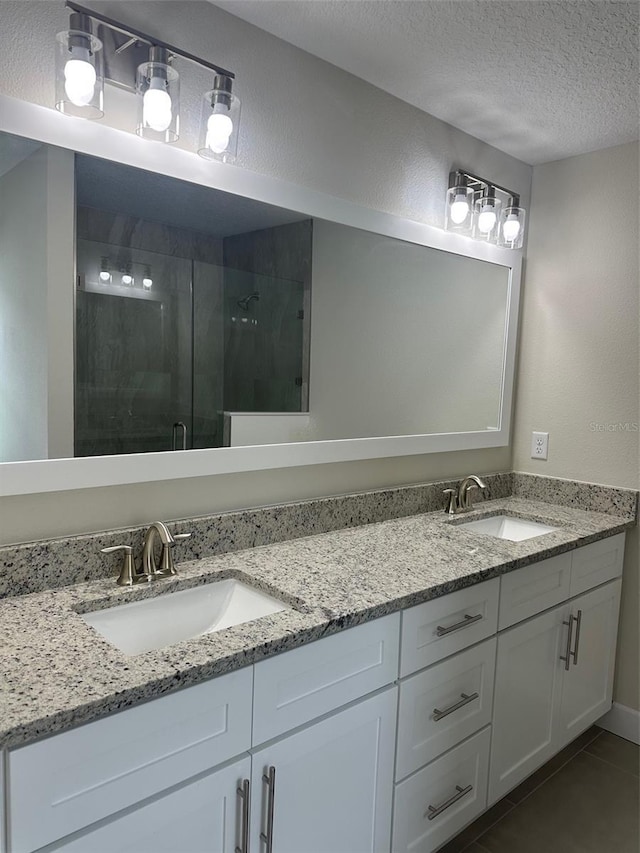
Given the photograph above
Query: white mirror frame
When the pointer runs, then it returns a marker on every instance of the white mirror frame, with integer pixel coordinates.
(30, 477)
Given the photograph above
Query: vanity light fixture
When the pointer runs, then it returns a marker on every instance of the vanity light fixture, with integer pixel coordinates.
(158, 91)
(484, 210)
(220, 122)
(147, 281)
(79, 70)
(97, 48)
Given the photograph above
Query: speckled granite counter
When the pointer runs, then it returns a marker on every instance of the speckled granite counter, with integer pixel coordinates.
(57, 672)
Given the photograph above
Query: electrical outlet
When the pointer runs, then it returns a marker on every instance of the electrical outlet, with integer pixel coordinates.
(539, 445)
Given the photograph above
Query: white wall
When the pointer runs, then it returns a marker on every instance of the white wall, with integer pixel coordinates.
(579, 361)
(304, 121)
(36, 307)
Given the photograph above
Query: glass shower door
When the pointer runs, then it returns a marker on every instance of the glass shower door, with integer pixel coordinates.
(133, 350)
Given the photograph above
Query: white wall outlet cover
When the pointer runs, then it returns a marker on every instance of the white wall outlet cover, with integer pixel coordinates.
(539, 445)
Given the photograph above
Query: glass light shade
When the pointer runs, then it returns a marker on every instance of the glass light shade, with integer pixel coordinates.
(486, 219)
(459, 209)
(220, 123)
(512, 221)
(158, 91)
(79, 74)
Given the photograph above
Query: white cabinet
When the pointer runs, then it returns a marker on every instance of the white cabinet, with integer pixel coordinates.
(588, 683)
(202, 817)
(438, 801)
(554, 678)
(328, 788)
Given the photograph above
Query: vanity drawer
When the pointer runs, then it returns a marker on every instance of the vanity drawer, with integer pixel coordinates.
(454, 787)
(525, 592)
(437, 710)
(297, 686)
(439, 628)
(597, 563)
(75, 778)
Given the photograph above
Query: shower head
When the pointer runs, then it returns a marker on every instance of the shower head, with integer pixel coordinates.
(244, 303)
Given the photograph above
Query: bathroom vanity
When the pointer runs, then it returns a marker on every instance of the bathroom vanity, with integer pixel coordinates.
(420, 671)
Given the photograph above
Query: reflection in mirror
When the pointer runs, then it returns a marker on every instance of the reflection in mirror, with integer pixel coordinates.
(204, 319)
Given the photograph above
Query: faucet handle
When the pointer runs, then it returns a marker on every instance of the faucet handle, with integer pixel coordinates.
(167, 566)
(128, 575)
(452, 501)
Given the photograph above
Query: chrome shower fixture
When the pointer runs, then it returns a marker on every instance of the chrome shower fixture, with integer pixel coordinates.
(246, 301)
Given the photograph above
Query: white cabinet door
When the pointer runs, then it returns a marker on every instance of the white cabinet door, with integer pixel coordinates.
(527, 699)
(331, 783)
(202, 817)
(588, 683)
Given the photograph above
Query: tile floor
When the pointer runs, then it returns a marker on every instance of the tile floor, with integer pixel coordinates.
(585, 800)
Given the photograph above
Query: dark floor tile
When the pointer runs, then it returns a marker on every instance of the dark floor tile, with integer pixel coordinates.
(617, 751)
(477, 828)
(587, 807)
(553, 765)
(475, 848)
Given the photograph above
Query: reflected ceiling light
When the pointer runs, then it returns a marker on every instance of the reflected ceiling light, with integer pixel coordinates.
(79, 75)
(127, 277)
(147, 281)
(220, 121)
(485, 210)
(134, 61)
(105, 273)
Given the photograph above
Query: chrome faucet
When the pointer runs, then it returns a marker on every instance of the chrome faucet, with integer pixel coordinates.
(460, 500)
(166, 566)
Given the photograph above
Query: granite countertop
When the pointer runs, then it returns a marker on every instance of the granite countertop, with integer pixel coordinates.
(57, 672)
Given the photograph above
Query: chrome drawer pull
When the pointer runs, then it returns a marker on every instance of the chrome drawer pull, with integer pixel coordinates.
(434, 811)
(567, 654)
(468, 620)
(465, 699)
(244, 794)
(574, 653)
(270, 782)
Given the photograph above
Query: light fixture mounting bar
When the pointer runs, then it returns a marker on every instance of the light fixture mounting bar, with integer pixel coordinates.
(147, 39)
(482, 182)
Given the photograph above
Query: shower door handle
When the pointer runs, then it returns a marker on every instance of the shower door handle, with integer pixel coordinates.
(174, 436)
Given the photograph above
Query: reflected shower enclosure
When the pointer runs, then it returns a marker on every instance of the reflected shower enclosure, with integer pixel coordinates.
(184, 310)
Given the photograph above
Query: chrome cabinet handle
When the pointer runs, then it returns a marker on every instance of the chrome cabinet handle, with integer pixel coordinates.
(468, 620)
(434, 811)
(574, 653)
(464, 700)
(567, 654)
(270, 782)
(243, 792)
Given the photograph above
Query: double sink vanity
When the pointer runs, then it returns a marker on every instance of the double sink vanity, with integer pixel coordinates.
(371, 688)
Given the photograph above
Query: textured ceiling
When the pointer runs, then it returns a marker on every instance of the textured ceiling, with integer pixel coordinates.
(539, 79)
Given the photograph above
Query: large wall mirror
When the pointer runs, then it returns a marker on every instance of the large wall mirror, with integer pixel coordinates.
(142, 316)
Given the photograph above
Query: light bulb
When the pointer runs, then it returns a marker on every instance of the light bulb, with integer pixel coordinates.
(79, 77)
(459, 209)
(127, 279)
(219, 130)
(156, 109)
(486, 220)
(105, 276)
(147, 282)
(511, 228)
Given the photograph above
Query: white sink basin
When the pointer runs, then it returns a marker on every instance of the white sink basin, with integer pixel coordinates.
(155, 623)
(507, 527)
